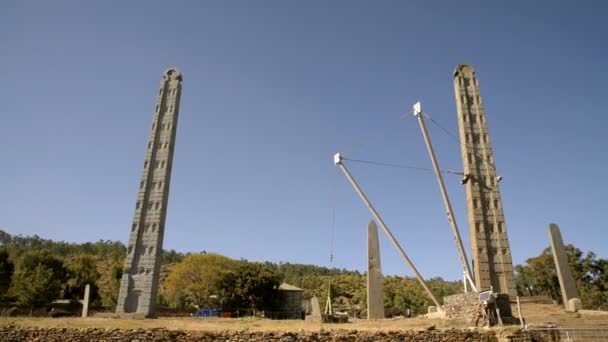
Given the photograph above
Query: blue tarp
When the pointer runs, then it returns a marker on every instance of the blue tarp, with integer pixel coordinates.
(216, 312)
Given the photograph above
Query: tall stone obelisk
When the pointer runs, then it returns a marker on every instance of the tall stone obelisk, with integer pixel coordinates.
(375, 298)
(492, 262)
(139, 283)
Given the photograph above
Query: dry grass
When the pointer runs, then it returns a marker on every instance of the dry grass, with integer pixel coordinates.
(535, 314)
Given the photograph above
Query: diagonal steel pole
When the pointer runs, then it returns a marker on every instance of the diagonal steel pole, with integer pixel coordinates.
(446, 200)
(338, 162)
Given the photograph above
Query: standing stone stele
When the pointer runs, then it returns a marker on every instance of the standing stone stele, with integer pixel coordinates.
(566, 282)
(490, 250)
(139, 283)
(86, 300)
(375, 298)
(315, 308)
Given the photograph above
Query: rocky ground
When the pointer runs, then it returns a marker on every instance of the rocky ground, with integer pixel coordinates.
(11, 333)
(255, 329)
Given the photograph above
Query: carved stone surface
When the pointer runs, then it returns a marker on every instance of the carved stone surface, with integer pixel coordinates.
(375, 298)
(490, 251)
(139, 283)
(566, 282)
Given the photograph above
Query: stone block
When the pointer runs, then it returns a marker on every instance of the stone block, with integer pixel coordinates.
(574, 305)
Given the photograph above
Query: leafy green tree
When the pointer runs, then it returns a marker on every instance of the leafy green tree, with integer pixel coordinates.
(250, 286)
(6, 272)
(82, 270)
(5, 238)
(38, 279)
(197, 280)
(108, 283)
(539, 277)
(171, 256)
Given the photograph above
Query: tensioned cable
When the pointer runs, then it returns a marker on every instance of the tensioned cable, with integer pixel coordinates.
(443, 128)
(453, 136)
(400, 166)
(388, 164)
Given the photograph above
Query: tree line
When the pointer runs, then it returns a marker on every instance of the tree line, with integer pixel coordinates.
(538, 276)
(35, 271)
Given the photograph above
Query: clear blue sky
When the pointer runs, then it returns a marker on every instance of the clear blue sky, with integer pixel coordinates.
(272, 89)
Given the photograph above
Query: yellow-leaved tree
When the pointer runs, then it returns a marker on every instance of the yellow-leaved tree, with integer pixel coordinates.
(196, 280)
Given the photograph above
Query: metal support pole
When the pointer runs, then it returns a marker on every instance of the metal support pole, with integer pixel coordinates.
(471, 282)
(446, 200)
(338, 162)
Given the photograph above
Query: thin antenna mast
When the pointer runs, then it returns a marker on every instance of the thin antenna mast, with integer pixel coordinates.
(338, 161)
(328, 306)
(446, 200)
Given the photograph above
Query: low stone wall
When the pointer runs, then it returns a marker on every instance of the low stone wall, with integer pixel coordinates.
(10, 333)
(462, 306)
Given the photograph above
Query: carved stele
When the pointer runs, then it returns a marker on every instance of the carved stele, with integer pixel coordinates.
(490, 251)
(139, 283)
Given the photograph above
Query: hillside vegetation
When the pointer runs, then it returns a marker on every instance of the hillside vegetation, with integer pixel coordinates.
(34, 271)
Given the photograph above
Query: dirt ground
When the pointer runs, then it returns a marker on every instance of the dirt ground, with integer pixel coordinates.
(543, 314)
(535, 315)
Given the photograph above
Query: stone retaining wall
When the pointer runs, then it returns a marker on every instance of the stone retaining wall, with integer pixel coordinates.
(462, 306)
(13, 334)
